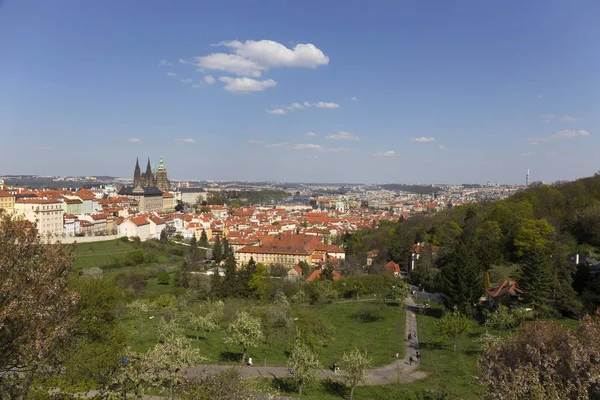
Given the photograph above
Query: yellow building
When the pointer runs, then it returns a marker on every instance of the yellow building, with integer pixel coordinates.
(7, 201)
(45, 213)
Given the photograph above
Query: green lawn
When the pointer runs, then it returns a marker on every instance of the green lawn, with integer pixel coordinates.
(99, 254)
(381, 339)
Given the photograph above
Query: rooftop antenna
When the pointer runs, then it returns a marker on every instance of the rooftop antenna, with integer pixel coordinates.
(527, 178)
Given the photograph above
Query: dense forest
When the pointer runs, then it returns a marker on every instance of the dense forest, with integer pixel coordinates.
(531, 236)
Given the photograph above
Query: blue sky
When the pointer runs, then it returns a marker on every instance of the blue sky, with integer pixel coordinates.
(390, 91)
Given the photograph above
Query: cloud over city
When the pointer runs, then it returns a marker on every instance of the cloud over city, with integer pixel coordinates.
(422, 139)
(342, 135)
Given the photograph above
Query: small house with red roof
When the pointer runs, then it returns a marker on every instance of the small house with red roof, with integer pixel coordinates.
(135, 226)
(393, 268)
(505, 293)
(316, 274)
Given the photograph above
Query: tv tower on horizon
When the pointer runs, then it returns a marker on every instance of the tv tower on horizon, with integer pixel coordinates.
(527, 178)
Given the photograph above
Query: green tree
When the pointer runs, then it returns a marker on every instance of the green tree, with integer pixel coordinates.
(227, 250)
(203, 239)
(327, 272)
(95, 347)
(489, 242)
(535, 278)
(163, 278)
(356, 366)
(452, 325)
(401, 245)
(533, 233)
(258, 283)
(37, 306)
(486, 280)
(218, 250)
(244, 331)
(164, 238)
(303, 364)
(461, 280)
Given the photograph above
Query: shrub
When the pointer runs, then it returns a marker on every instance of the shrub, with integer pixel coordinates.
(163, 278)
(370, 313)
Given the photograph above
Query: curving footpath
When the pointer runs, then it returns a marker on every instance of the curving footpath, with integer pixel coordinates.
(400, 371)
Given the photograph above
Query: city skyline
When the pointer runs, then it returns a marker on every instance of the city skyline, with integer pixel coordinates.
(307, 92)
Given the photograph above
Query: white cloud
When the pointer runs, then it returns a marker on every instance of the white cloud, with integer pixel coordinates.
(252, 141)
(388, 153)
(312, 157)
(209, 79)
(540, 96)
(548, 117)
(163, 63)
(323, 104)
(187, 80)
(252, 58)
(311, 134)
(246, 85)
(568, 118)
(341, 135)
(442, 147)
(305, 146)
(134, 140)
(295, 106)
(422, 139)
(552, 153)
(231, 63)
(197, 86)
(300, 106)
(526, 154)
(354, 98)
(277, 111)
(560, 135)
(186, 140)
(171, 74)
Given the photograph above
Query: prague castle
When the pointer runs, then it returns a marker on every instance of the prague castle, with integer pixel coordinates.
(151, 179)
(148, 187)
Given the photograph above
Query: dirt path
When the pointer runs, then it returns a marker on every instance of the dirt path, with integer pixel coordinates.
(400, 371)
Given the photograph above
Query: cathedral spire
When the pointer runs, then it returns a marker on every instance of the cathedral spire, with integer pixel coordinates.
(136, 173)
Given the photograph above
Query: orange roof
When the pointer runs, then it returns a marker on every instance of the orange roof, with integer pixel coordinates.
(139, 221)
(37, 201)
(506, 287)
(5, 194)
(316, 274)
(392, 267)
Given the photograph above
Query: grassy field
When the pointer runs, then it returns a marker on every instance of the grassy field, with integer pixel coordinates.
(110, 256)
(381, 339)
(99, 254)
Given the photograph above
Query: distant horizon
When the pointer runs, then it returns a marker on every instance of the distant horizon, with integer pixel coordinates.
(299, 182)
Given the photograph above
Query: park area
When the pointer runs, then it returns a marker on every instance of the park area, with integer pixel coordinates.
(148, 278)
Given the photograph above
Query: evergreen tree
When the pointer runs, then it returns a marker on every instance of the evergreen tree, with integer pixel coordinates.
(535, 278)
(218, 250)
(461, 280)
(486, 280)
(227, 250)
(401, 245)
(203, 239)
(230, 283)
(327, 272)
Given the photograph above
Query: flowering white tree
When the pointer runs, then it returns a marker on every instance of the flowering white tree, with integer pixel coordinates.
(244, 331)
(356, 365)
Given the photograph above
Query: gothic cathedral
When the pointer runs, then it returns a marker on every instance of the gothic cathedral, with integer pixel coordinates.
(149, 179)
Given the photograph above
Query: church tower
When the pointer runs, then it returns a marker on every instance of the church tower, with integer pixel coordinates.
(149, 176)
(162, 182)
(137, 174)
